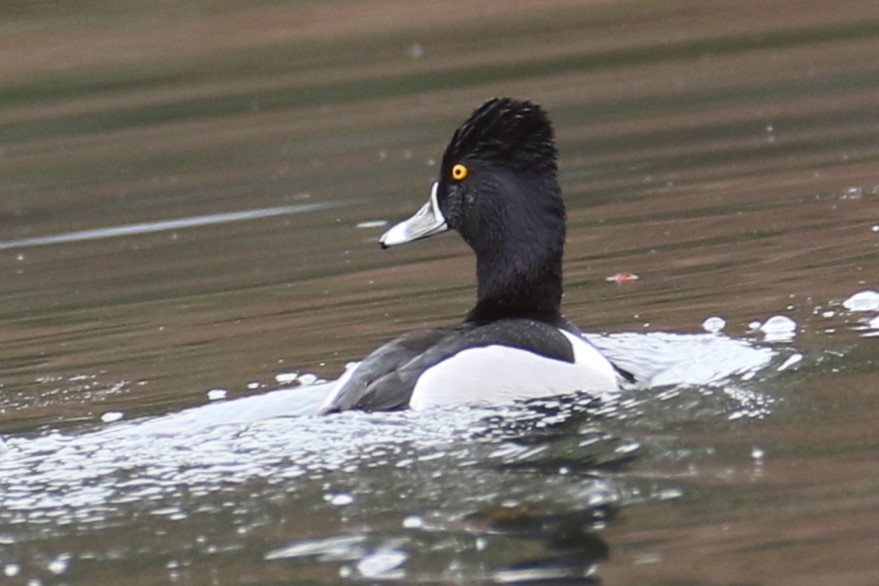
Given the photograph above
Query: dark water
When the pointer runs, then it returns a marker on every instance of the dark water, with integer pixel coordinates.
(190, 199)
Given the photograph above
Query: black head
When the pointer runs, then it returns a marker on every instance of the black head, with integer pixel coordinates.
(502, 158)
(499, 189)
(505, 132)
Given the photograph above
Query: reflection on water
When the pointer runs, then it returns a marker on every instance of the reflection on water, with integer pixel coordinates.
(165, 225)
(178, 229)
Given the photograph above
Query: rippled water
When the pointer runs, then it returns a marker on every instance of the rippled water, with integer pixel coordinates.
(189, 466)
(189, 210)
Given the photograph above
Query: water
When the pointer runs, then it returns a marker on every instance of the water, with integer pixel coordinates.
(190, 205)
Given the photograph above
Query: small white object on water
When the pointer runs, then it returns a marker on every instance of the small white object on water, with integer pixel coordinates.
(876, 228)
(285, 378)
(648, 558)
(382, 563)
(668, 493)
(111, 416)
(714, 324)
(217, 394)
(791, 361)
(340, 500)
(758, 453)
(308, 379)
(779, 328)
(373, 224)
(853, 193)
(413, 522)
(59, 565)
(867, 300)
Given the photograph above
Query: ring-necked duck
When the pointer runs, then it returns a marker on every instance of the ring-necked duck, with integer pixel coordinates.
(497, 188)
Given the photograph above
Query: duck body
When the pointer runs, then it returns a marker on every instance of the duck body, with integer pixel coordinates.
(496, 362)
(498, 189)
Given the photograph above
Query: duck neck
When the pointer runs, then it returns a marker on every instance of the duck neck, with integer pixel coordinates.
(519, 284)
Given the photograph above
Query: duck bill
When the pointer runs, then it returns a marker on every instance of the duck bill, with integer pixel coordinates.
(426, 222)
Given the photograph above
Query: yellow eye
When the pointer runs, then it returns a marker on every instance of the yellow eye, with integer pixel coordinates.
(459, 172)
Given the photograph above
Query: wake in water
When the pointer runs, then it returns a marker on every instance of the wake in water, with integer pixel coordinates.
(272, 436)
(530, 470)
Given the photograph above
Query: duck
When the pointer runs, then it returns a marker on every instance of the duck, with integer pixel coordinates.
(498, 188)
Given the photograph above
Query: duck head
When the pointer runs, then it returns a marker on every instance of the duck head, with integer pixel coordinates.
(498, 188)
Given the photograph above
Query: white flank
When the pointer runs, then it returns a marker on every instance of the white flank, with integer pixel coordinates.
(501, 374)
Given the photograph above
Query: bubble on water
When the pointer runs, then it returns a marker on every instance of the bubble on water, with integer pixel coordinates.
(758, 453)
(59, 565)
(867, 300)
(340, 500)
(714, 324)
(11, 570)
(111, 416)
(752, 405)
(285, 378)
(779, 328)
(413, 522)
(217, 394)
(383, 563)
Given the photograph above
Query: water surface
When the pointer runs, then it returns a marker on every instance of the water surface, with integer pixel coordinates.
(191, 199)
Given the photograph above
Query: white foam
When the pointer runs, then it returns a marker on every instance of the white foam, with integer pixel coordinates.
(867, 300)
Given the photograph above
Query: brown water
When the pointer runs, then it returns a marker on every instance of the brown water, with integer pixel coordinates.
(185, 203)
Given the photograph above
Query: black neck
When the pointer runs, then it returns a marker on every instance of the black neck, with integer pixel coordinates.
(519, 238)
(519, 285)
